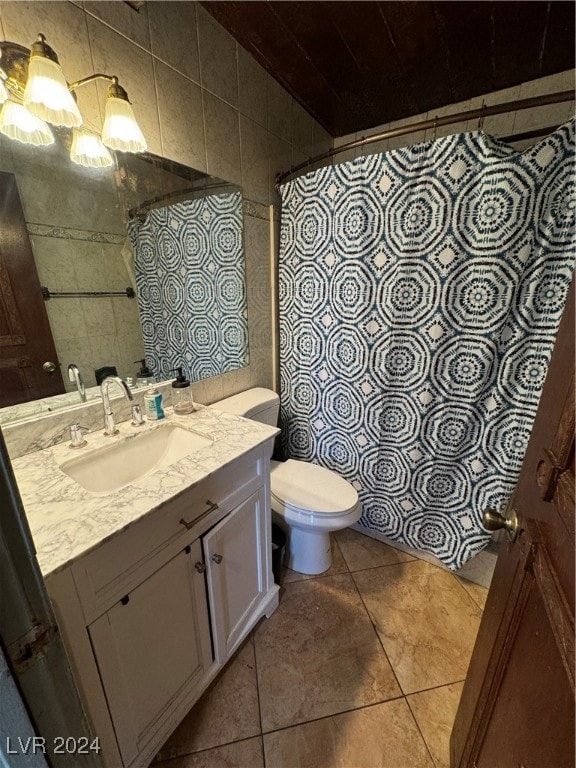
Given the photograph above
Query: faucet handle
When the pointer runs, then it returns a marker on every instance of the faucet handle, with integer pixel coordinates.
(137, 417)
(77, 436)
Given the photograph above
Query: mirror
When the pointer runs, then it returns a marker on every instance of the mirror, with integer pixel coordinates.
(78, 219)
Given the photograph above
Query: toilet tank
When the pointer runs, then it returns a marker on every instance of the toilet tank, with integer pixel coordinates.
(259, 404)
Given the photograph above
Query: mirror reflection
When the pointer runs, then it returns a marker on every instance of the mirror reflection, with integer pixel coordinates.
(92, 238)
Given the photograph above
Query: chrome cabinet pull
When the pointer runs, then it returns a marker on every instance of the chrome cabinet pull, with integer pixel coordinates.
(211, 507)
(216, 558)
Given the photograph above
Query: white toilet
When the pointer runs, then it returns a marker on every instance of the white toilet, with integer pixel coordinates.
(308, 501)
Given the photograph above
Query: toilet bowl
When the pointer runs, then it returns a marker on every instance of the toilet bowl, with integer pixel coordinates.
(308, 501)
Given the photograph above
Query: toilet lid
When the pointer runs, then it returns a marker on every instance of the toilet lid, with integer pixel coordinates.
(309, 487)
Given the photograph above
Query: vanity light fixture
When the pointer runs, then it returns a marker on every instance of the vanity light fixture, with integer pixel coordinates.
(88, 149)
(120, 130)
(34, 92)
(46, 94)
(18, 123)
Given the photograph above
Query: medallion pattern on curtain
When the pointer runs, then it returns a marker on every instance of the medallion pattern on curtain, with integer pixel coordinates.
(420, 294)
(190, 278)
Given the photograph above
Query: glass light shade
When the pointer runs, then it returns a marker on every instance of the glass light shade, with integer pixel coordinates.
(47, 96)
(3, 92)
(18, 123)
(88, 150)
(120, 130)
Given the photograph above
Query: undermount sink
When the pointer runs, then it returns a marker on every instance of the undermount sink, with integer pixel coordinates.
(112, 467)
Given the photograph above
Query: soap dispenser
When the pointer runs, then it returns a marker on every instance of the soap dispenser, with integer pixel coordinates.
(181, 394)
(144, 375)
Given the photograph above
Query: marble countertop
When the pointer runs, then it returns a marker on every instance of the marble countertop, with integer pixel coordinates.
(67, 521)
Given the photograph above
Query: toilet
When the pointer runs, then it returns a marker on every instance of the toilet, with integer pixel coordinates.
(308, 501)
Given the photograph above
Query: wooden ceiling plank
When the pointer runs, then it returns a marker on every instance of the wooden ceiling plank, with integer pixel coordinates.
(413, 27)
(466, 31)
(382, 85)
(518, 36)
(558, 47)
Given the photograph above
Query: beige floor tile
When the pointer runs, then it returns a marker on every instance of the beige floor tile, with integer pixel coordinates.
(382, 736)
(319, 654)
(241, 754)
(338, 566)
(362, 551)
(476, 592)
(227, 711)
(435, 711)
(426, 622)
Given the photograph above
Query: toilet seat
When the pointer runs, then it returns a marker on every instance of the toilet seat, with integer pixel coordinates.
(307, 489)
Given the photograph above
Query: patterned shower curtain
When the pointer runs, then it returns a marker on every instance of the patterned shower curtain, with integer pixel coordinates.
(420, 294)
(191, 286)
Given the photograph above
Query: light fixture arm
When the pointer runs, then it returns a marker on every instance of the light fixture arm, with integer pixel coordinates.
(115, 90)
(90, 79)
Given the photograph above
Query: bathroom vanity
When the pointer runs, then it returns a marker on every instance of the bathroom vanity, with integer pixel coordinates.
(157, 582)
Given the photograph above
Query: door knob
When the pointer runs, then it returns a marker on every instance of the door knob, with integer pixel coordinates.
(200, 567)
(494, 521)
(216, 558)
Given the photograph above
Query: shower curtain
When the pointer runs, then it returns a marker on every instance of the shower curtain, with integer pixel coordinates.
(191, 286)
(420, 294)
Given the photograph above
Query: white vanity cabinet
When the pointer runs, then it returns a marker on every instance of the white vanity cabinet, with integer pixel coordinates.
(152, 614)
(153, 648)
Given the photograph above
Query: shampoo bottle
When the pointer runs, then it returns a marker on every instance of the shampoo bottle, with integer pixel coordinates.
(182, 394)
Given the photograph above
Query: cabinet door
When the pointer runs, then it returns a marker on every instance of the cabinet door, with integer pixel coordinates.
(153, 649)
(233, 554)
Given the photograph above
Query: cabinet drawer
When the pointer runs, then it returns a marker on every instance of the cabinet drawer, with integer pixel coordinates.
(121, 563)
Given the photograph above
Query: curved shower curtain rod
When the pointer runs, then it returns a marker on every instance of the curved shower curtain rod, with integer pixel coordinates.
(435, 122)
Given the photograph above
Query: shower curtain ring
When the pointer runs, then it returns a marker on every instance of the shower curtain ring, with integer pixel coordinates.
(482, 116)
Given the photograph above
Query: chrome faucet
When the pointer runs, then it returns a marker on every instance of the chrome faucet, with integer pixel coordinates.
(109, 425)
(75, 376)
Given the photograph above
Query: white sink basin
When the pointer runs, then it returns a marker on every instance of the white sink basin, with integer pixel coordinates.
(112, 467)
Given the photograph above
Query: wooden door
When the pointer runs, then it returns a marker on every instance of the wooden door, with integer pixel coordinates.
(517, 706)
(26, 341)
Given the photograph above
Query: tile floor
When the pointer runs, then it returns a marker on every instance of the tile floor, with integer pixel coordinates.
(361, 667)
